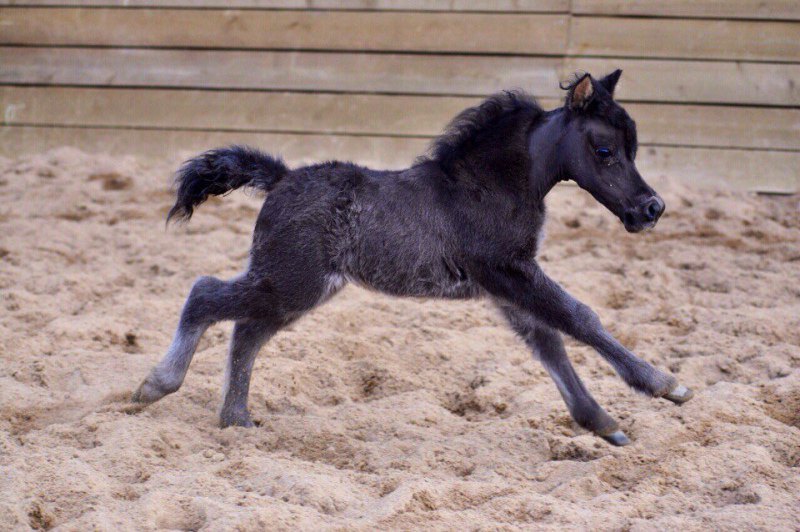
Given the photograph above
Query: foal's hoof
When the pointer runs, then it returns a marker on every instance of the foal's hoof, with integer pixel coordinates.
(617, 438)
(240, 418)
(147, 393)
(679, 395)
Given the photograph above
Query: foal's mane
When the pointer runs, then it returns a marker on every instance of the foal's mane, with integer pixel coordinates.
(463, 131)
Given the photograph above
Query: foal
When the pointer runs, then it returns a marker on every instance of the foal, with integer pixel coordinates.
(462, 222)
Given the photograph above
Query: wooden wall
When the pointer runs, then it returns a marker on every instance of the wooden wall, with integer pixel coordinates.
(713, 84)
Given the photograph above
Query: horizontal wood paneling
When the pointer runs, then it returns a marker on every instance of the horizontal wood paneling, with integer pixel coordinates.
(517, 6)
(720, 126)
(403, 31)
(289, 30)
(713, 85)
(681, 38)
(644, 80)
(764, 170)
(743, 9)
(247, 111)
(391, 73)
(698, 81)
(424, 116)
(748, 9)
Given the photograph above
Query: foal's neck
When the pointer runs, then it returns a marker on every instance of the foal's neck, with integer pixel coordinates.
(542, 149)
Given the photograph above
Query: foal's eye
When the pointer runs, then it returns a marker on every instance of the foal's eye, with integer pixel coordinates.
(603, 153)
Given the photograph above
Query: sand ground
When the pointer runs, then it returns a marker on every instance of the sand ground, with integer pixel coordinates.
(380, 413)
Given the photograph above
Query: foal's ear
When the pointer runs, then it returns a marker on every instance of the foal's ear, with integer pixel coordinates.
(581, 93)
(610, 81)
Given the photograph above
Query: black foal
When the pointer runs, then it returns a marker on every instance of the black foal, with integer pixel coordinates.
(462, 222)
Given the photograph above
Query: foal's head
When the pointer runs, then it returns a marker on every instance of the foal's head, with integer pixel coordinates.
(597, 150)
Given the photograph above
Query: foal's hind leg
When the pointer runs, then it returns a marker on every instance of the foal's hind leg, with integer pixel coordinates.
(548, 345)
(210, 300)
(247, 339)
(249, 335)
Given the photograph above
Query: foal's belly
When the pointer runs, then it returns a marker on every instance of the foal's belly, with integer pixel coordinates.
(408, 272)
(417, 287)
(399, 241)
(412, 278)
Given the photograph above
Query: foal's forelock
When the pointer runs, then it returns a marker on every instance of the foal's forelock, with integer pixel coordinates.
(619, 119)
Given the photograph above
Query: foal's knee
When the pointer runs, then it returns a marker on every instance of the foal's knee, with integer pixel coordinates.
(586, 323)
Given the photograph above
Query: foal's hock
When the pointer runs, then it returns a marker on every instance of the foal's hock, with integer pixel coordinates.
(462, 222)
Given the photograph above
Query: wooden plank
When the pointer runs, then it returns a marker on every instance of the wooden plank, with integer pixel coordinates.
(387, 73)
(746, 9)
(515, 6)
(644, 80)
(697, 81)
(685, 39)
(761, 9)
(735, 169)
(719, 126)
(365, 114)
(764, 171)
(287, 30)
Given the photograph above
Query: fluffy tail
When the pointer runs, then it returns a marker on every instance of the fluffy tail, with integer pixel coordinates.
(219, 171)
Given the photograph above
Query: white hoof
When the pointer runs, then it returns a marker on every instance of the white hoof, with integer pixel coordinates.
(679, 395)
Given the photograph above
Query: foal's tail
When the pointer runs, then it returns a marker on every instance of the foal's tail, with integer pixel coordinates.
(219, 171)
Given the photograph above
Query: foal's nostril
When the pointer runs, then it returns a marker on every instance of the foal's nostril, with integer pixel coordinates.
(653, 209)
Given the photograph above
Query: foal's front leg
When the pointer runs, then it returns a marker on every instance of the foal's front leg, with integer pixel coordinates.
(526, 286)
(547, 345)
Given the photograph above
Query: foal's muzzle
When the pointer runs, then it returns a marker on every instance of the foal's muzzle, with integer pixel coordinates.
(643, 216)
